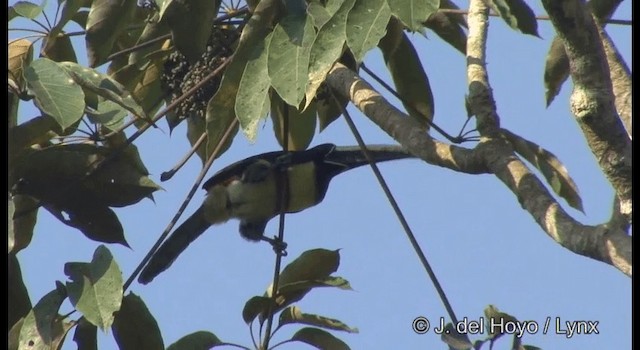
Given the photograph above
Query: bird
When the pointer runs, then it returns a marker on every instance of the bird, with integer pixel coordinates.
(251, 190)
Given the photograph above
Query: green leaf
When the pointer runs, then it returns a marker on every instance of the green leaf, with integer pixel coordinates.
(253, 90)
(106, 21)
(96, 288)
(366, 25)
(58, 48)
(318, 13)
(190, 36)
(255, 306)
(413, 13)
(301, 126)
(319, 339)
(409, 77)
(20, 304)
(327, 48)
(550, 166)
(293, 314)
(313, 264)
(134, 327)
(449, 26)
(517, 14)
(105, 86)
(42, 326)
(152, 30)
(14, 335)
(86, 335)
(201, 340)
(27, 9)
(288, 60)
(56, 94)
(19, 56)
(22, 219)
(494, 316)
(108, 113)
(290, 290)
(221, 110)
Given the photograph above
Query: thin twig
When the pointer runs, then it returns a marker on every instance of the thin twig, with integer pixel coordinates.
(169, 174)
(282, 203)
(176, 217)
(405, 225)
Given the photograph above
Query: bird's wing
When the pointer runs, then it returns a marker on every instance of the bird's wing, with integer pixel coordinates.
(235, 170)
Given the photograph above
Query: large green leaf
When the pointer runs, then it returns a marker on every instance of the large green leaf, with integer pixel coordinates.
(96, 288)
(550, 166)
(27, 9)
(253, 90)
(134, 327)
(288, 60)
(22, 219)
(221, 108)
(366, 25)
(517, 14)
(301, 124)
(55, 92)
(190, 24)
(17, 293)
(319, 339)
(327, 48)
(449, 26)
(105, 86)
(293, 315)
(106, 21)
(201, 340)
(413, 13)
(409, 77)
(43, 328)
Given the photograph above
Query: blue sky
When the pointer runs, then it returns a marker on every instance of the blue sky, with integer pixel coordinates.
(484, 248)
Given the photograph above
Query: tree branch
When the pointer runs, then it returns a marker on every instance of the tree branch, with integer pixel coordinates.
(493, 154)
(592, 99)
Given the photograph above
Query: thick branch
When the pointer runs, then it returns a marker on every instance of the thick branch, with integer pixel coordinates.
(592, 100)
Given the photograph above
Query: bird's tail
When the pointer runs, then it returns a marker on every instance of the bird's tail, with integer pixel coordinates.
(353, 157)
(179, 240)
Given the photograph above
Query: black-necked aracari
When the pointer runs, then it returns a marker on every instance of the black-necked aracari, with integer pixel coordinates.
(249, 190)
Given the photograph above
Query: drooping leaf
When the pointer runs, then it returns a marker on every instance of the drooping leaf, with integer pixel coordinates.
(190, 36)
(409, 77)
(58, 48)
(449, 26)
(517, 14)
(86, 335)
(201, 340)
(253, 90)
(293, 315)
(328, 109)
(106, 21)
(255, 306)
(153, 30)
(319, 339)
(96, 288)
(96, 222)
(221, 109)
(366, 25)
(326, 49)
(550, 166)
(22, 219)
(288, 60)
(301, 125)
(20, 55)
(42, 327)
(105, 86)
(134, 327)
(413, 13)
(56, 94)
(17, 293)
(310, 265)
(27, 9)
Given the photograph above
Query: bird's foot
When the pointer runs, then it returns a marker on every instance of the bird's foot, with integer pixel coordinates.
(279, 246)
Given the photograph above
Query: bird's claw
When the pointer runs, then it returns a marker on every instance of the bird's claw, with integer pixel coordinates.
(279, 246)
